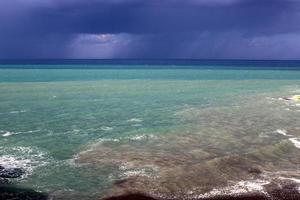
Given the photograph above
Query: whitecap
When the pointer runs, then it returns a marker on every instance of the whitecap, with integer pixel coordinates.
(282, 132)
(296, 142)
(7, 133)
(106, 128)
(10, 133)
(142, 137)
(134, 120)
(108, 140)
(17, 111)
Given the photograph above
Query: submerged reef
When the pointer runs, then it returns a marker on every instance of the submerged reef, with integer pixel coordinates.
(230, 152)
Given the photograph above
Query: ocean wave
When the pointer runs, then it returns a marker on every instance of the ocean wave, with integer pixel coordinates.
(17, 111)
(106, 128)
(108, 140)
(7, 133)
(10, 133)
(282, 132)
(296, 142)
(295, 180)
(134, 120)
(128, 138)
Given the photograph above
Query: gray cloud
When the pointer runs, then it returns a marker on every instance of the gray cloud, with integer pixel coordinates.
(252, 29)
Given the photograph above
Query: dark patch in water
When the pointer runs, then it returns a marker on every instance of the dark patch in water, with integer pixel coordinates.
(224, 151)
(120, 182)
(254, 171)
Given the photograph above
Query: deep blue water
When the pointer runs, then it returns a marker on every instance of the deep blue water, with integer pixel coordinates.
(151, 64)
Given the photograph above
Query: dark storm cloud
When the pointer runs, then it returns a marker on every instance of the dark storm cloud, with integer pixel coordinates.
(154, 28)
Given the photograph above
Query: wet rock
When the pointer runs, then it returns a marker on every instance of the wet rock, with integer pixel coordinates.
(254, 171)
(4, 181)
(287, 191)
(14, 193)
(11, 172)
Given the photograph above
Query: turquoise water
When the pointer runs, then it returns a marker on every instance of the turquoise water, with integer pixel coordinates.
(79, 132)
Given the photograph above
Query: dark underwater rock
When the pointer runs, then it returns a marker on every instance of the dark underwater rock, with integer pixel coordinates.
(11, 172)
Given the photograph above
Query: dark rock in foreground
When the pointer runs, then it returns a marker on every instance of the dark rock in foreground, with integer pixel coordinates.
(12, 193)
(11, 172)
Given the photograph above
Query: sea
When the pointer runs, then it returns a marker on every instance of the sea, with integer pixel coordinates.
(169, 129)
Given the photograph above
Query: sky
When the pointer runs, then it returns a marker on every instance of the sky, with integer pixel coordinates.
(150, 29)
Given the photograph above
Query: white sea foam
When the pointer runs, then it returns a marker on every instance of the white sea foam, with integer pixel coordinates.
(10, 133)
(133, 138)
(296, 142)
(26, 158)
(134, 120)
(129, 170)
(17, 111)
(7, 133)
(142, 137)
(242, 187)
(282, 132)
(136, 172)
(106, 128)
(295, 180)
(108, 140)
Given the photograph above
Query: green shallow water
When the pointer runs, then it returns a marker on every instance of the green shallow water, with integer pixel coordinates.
(77, 132)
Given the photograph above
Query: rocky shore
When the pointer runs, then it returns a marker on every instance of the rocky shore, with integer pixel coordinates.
(9, 192)
(11, 172)
(273, 191)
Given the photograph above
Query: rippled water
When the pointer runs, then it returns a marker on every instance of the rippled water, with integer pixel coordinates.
(166, 133)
